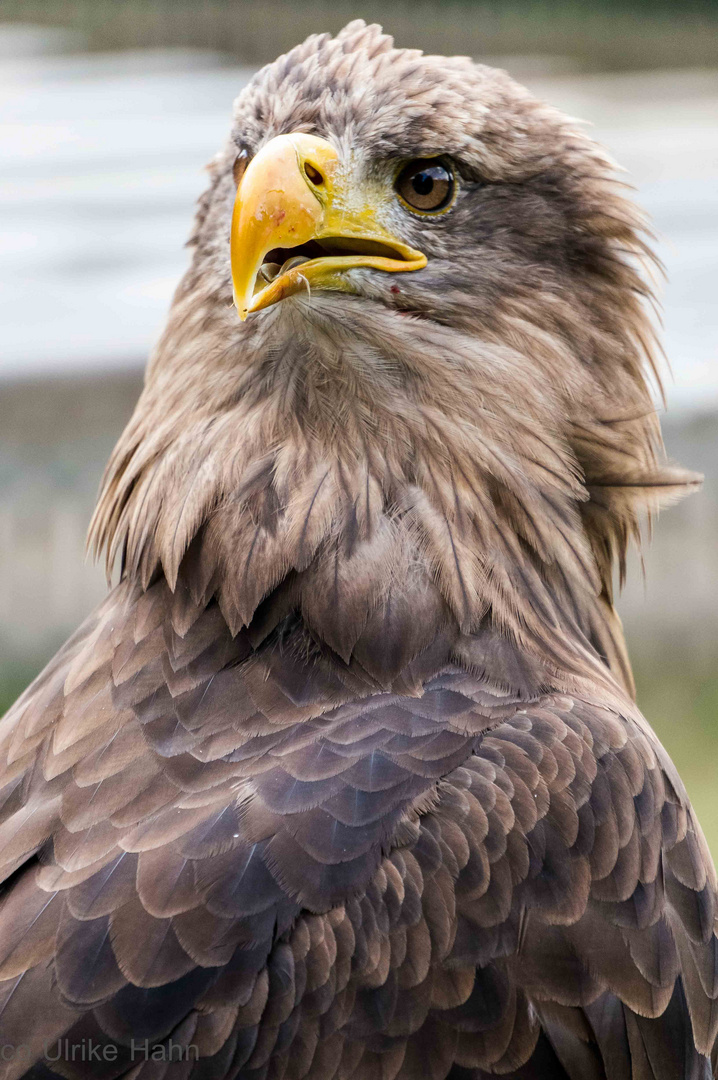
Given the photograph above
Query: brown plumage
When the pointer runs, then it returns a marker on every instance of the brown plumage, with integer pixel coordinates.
(345, 779)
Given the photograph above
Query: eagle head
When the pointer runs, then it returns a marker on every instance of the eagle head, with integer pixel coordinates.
(412, 345)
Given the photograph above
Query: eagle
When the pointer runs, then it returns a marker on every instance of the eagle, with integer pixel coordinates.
(345, 779)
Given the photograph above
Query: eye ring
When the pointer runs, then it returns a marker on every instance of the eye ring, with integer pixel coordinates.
(426, 186)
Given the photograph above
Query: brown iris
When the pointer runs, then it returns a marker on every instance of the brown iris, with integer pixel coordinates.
(426, 185)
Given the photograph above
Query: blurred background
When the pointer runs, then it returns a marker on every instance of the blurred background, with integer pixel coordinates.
(110, 108)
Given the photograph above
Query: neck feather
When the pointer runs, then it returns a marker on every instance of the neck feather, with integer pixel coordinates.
(343, 467)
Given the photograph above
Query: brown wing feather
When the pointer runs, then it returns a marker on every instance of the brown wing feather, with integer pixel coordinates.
(241, 851)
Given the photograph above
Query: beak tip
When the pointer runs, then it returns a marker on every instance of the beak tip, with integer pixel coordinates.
(242, 310)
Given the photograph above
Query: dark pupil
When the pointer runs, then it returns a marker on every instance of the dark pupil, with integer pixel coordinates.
(423, 183)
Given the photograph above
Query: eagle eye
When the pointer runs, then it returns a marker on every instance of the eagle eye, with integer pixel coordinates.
(427, 185)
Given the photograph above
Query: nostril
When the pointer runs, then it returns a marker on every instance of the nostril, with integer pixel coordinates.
(313, 174)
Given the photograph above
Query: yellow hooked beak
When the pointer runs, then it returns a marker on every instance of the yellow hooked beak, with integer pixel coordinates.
(298, 223)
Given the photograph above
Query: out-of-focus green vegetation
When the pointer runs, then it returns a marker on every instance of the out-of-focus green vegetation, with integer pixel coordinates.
(598, 35)
(680, 703)
(13, 680)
